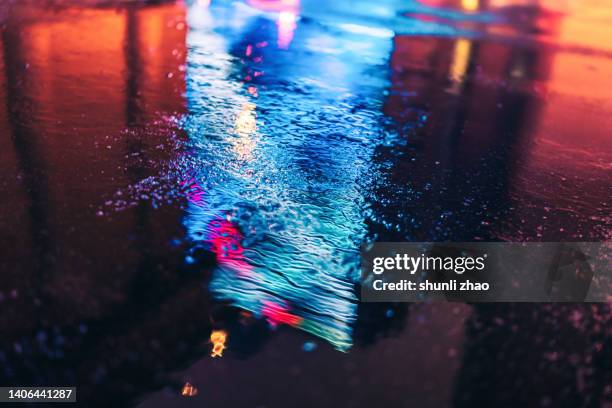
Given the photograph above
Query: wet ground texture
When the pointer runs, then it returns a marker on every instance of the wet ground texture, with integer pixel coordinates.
(187, 179)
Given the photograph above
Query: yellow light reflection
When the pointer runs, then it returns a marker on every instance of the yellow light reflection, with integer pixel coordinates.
(461, 59)
(189, 390)
(245, 126)
(246, 122)
(470, 5)
(218, 338)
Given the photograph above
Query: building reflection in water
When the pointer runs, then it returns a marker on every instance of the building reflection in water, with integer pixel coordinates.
(84, 112)
(462, 109)
(481, 162)
(461, 116)
(276, 195)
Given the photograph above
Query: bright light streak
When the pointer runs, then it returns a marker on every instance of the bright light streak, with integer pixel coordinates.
(371, 31)
(461, 59)
(286, 26)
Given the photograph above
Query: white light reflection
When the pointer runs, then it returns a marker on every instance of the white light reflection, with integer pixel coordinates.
(371, 31)
(286, 26)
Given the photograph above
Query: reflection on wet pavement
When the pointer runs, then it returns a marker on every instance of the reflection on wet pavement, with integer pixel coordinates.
(182, 172)
(290, 173)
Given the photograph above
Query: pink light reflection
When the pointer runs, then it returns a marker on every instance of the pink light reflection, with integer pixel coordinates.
(286, 26)
(226, 242)
(287, 17)
(195, 192)
(224, 236)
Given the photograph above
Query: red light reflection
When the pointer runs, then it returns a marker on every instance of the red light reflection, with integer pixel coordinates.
(278, 314)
